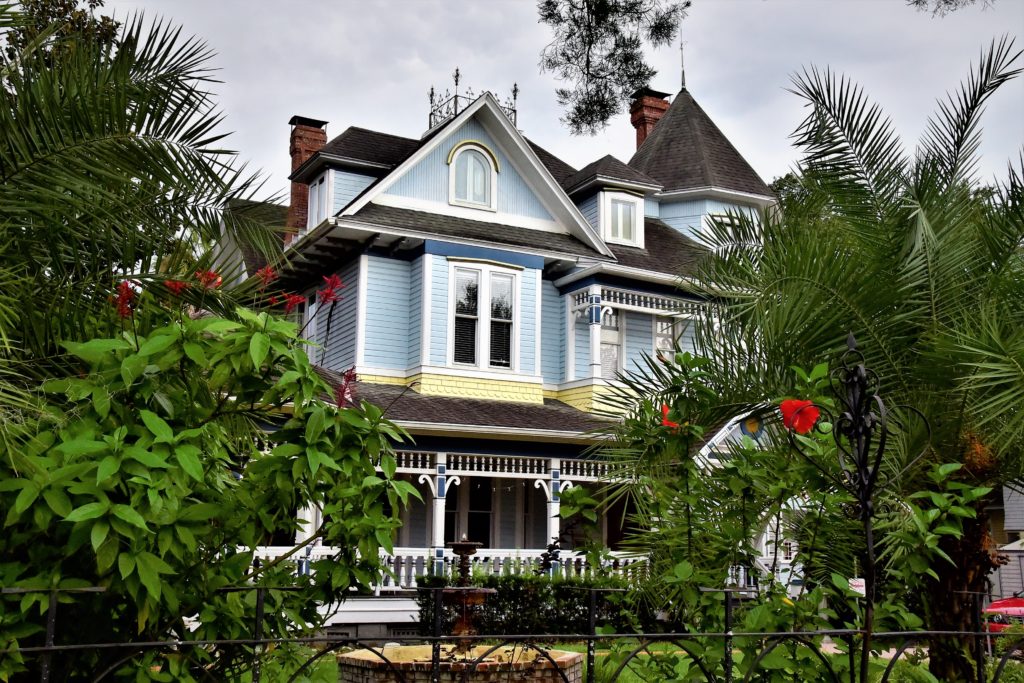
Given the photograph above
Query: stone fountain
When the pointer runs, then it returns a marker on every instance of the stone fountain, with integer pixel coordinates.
(461, 661)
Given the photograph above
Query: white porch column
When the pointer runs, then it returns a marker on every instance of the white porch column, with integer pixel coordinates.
(554, 504)
(310, 517)
(594, 318)
(441, 482)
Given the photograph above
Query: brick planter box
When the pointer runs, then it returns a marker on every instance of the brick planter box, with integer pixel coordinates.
(411, 663)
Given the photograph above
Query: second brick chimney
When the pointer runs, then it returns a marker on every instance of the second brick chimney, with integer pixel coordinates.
(646, 110)
(308, 137)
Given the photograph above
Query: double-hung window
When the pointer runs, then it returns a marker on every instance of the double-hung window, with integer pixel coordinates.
(622, 218)
(666, 331)
(611, 343)
(483, 329)
(317, 202)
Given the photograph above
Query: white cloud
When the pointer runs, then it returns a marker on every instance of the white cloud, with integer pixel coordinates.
(372, 63)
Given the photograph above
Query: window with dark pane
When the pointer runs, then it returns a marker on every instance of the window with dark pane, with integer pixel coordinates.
(467, 312)
(611, 344)
(501, 321)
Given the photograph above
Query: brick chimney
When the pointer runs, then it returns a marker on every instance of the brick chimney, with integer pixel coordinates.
(308, 136)
(646, 110)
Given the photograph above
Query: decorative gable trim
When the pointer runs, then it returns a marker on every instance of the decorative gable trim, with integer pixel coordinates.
(552, 195)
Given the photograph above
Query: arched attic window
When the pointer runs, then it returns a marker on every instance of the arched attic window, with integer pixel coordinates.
(473, 175)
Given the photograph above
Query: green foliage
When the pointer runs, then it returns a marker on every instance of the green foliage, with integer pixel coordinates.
(531, 604)
(156, 473)
(598, 47)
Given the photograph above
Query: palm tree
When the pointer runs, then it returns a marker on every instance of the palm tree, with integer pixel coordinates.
(923, 264)
(111, 168)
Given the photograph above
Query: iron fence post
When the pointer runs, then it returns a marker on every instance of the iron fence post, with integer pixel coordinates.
(258, 635)
(591, 631)
(979, 643)
(51, 627)
(727, 661)
(435, 650)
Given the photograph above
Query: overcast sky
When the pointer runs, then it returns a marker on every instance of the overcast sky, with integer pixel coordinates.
(371, 64)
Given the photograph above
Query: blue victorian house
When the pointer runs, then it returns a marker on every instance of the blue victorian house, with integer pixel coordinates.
(492, 294)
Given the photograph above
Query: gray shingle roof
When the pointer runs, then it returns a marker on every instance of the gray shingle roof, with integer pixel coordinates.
(666, 250)
(405, 405)
(686, 150)
(372, 146)
(452, 226)
(607, 167)
(362, 144)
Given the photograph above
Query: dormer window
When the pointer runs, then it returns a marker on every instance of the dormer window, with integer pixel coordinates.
(473, 176)
(319, 197)
(621, 219)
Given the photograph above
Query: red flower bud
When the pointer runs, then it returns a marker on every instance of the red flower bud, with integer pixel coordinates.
(665, 422)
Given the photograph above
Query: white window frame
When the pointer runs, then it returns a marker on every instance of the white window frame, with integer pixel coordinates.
(314, 215)
(483, 316)
(676, 331)
(309, 323)
(488, 157)
(605, 218)
(620, 341)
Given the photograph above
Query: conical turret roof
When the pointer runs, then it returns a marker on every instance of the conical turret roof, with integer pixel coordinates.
(687, 151)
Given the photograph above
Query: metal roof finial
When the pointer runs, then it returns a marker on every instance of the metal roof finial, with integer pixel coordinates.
(682, 61)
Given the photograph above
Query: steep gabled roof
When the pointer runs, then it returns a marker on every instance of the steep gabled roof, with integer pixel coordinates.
(607, 167)
(687, 151)
(384, 149)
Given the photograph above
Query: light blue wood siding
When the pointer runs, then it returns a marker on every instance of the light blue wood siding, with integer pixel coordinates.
(639, 339)
(428, 179)
(552, 341)
(341, 344)
(527, 322)
(588, 207)
(415, 311)
(439, 311)
(685, 216)
(652, 207)
(386, 342)
(582, 349)
(347, 186)
(688, 217)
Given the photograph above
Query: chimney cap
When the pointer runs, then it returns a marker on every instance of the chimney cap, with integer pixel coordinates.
(649, 92)
(306, 121)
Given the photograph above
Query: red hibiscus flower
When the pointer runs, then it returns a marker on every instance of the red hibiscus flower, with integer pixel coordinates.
(291, 301)
(330, 293)
(665, 422)
(800, 416)
(176, 287)
(266, 274)
(208, 279)
(124, 299)
(345, 393)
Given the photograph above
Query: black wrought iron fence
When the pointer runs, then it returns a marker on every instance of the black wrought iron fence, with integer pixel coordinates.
(601, 657)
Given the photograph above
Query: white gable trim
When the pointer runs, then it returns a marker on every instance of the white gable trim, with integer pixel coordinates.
(561, 208)
(473, 214)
